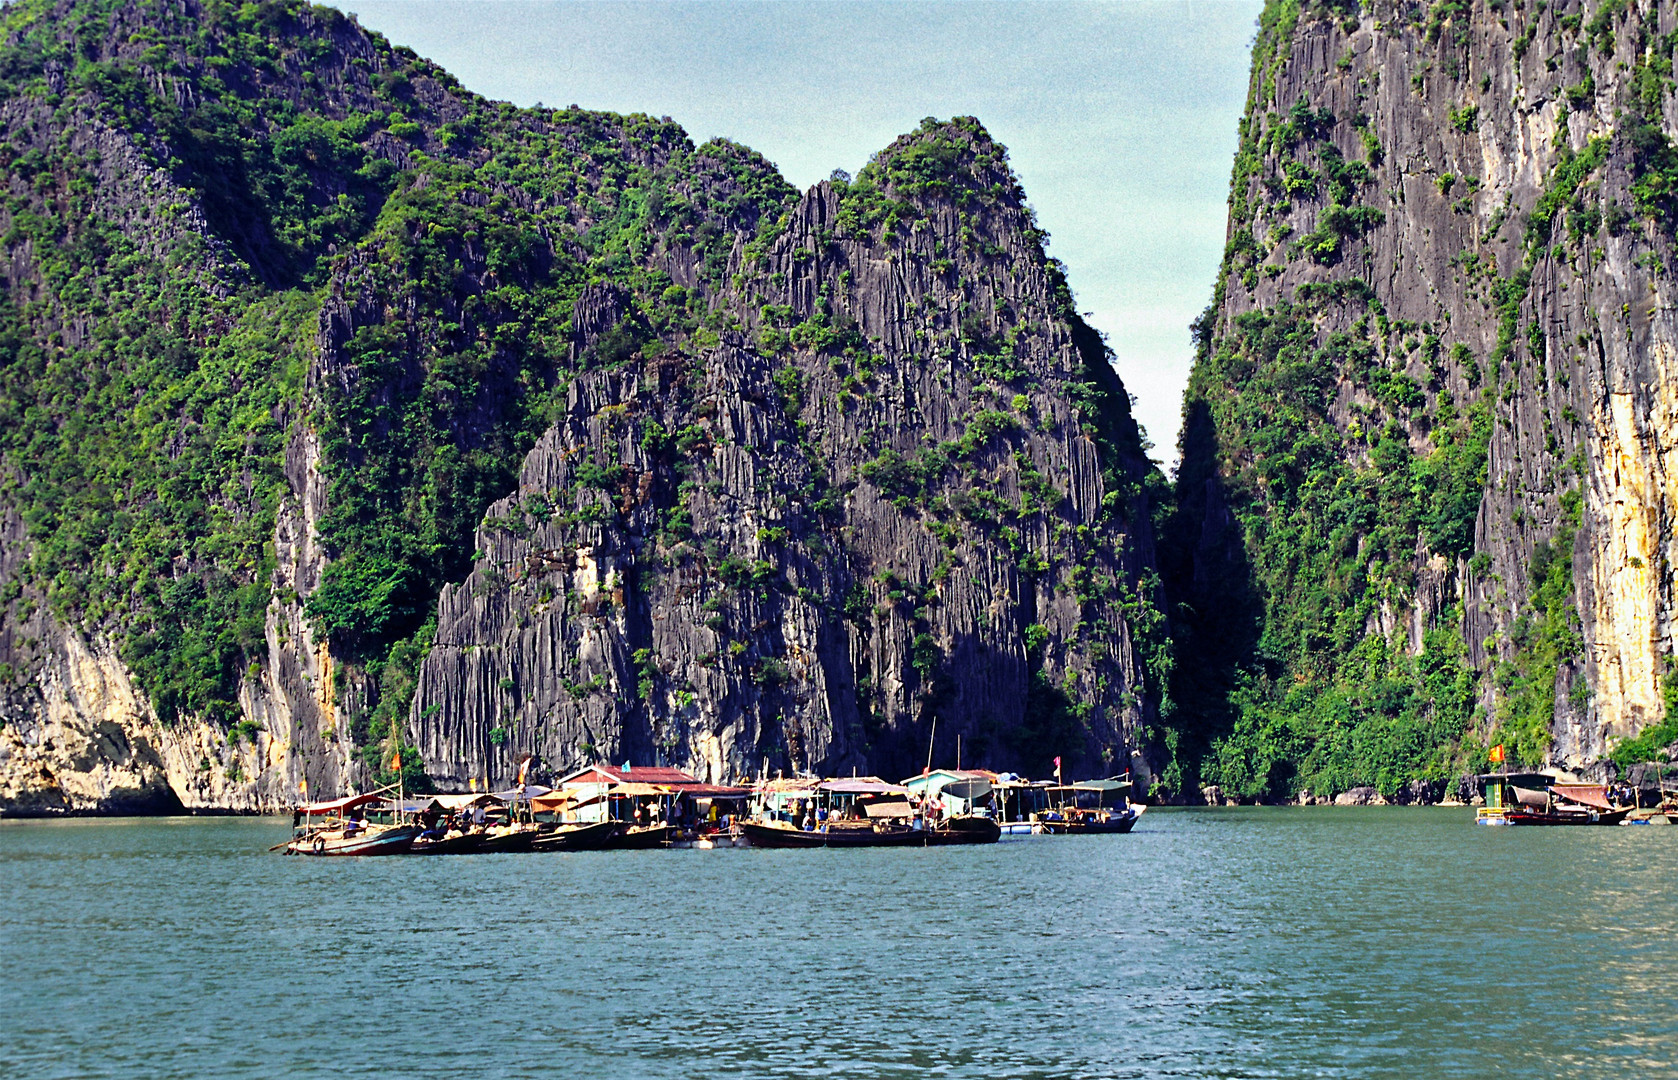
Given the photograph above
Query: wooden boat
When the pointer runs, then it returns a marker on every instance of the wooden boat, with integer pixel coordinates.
(1081, 823)
(369, 840)
(1515, 816)
(329, 828)
(592, 836)
(1539, 799)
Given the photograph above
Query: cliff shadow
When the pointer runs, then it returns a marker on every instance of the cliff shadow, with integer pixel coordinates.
(1216, 610)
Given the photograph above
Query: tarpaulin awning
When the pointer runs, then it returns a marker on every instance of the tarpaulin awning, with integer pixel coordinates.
(1529, 797)
(554, 800)
(338, 806)
(637, 791)
(1101, 785)
(861, 785)
(713, 791)
(528, 791)
(1584, 794)
(459, 802)
(888, 808)
(800, 786)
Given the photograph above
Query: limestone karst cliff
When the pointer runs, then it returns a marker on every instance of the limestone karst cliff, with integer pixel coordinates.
(345, 411)
(1426, 499)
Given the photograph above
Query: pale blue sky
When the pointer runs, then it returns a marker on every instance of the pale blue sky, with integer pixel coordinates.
(1119, 117)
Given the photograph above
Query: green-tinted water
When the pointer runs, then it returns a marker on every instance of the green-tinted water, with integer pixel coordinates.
(1269, 942)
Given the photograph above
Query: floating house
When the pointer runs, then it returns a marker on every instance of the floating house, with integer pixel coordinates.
(645, 792)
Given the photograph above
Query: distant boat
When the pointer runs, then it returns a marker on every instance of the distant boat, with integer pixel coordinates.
(371, 840)
(1091, 807)
(328, 829)
(1543, 799)
(1079, 823)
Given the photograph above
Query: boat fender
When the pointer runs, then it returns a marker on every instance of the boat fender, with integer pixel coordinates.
(320, 845)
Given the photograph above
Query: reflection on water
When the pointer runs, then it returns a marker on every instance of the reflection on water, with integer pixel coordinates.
(1332, 942)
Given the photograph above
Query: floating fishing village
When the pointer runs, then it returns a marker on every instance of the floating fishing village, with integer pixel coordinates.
(625, 807)
(606, 807)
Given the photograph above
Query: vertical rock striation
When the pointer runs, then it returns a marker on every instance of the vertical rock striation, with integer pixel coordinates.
(869, 505)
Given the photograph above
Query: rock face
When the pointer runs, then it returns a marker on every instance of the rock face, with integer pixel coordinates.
(820, 553)
(1451, 239)
(772, 482)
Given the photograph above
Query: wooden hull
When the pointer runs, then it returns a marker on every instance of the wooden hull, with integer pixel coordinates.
(392, 841)
(507, 842)
(769, 836)
(1118, 823)
(878, 836)
(592, 837)
(453, 844)
(639, 839)
(1554, 817)
(965, 830)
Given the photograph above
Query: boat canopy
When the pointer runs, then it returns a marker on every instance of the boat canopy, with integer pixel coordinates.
(338, 806)
(1585, 794)
(554, 800)
(969, 788)
(1523, 779)
(1101, 785)
(888, 808)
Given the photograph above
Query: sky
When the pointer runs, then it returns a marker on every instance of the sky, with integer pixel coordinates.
(1120, 117)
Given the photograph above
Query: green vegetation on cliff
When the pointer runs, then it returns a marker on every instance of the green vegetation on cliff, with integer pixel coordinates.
(276, 282)
(151, 382)
(1295, 674)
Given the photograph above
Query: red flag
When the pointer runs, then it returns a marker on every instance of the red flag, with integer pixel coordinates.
(396, 761)
(1057, 764)
(1497, 753)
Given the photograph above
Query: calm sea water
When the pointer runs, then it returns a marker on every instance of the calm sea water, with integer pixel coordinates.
(1230, 943)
